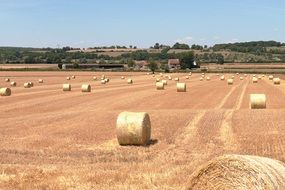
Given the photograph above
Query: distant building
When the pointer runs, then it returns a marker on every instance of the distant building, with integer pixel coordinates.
(141, 65)
(174, 64)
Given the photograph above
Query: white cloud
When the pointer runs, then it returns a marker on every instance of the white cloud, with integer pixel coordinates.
(234, 40)
(186, 39)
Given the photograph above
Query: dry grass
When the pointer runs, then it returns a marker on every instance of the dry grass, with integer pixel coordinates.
(55, 140)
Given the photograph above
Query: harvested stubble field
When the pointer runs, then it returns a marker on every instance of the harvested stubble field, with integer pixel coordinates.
(52, 139)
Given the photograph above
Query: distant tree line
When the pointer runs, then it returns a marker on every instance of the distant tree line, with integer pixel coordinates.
(257, 47)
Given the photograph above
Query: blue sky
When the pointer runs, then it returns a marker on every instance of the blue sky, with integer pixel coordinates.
(88, 23)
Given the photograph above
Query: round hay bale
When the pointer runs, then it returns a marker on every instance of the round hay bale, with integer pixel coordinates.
(159, 86)
(240, 172)
(276, 81)
(67, 78)
(103, 81)
(66, 87)
(240, 78)
(263, 76)
(237, 73)
(169, 78)
(31, 84)
(153, 75)
(176, 79)
(13, 83)
(102, 77)
(187, 77)
(230, 81)
(7, 80)
(94, 78)
(254, 80)
(122, 77)
(245, 75)
(107, 80)
(164, 82)
(73, 77)
(157, 80)
(148, 73)
(27, 85)
(257, 101)
(130, 81)
(208, 78)
(181, 87)
(133, 128)
(253, 75)
(233, 77)
(86, 88)
(271, 77)
(190, 74)
(41, 81)
(201, 78)
(222, 77)
(203, 73)
(5, 92)
(259, 77)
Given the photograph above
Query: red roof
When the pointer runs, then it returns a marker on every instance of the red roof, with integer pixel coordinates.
(173, 62)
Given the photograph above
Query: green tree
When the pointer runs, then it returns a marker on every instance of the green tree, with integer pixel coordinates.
(152, 66)
(186, 59)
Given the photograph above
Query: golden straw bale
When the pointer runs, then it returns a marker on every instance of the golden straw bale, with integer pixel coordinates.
(257, 101)
(86, 88)
(276, 81)
(181, 87)
(133, 128)
(5, 92)
(41, 81)
(159, 86)
(13, 83)
(130, 81)
(230, 81)
(66, 87)
(240, 172)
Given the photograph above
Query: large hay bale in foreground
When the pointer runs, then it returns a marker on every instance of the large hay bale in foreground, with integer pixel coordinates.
(181, 87)
(276, 81)
(240, 172)
(66, 87)
(86, 88)
(133, 128)
(13, 83)
(159, 86)
(257, 101)
(230, 81)
(5, 92)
